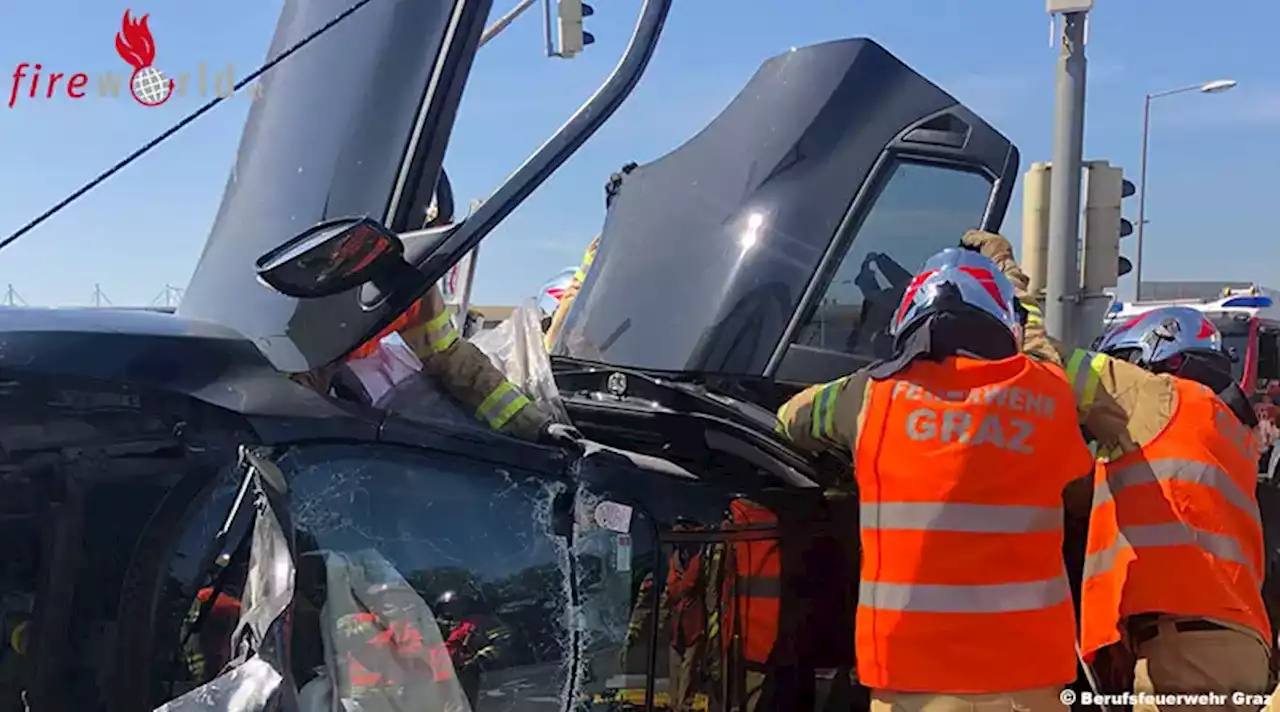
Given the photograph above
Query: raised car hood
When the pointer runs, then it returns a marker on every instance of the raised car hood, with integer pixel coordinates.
(707, 253)
(354, 124)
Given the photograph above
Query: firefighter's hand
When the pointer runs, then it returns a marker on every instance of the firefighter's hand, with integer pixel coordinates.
(989, 244)
(560, 434)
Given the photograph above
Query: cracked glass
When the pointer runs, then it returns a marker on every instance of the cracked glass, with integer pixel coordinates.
(431, 581)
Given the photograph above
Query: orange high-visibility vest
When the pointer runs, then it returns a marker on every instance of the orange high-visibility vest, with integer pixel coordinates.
(754, 588)
(1175, 526)
(686, 600)
(409, 316)
(960, 468)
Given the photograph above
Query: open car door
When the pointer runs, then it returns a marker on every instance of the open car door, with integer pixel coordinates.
(776, 243)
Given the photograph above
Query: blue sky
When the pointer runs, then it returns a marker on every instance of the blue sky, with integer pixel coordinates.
(1212, 174)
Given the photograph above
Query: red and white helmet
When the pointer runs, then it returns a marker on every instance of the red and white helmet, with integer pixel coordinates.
(549, 295)
(957, 280)
(1161, 337)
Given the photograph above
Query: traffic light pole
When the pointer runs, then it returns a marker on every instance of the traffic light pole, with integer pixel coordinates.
(1062, 283)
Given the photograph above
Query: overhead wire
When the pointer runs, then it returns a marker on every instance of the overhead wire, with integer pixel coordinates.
(188, 119)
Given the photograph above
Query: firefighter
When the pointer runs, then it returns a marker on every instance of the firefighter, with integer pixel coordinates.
(427, 327)
(472, 642)
(962, 448)
(570, 293)
(208, 650)
(1173, 576)
(386, 657)
(689, 612)
(753, 605)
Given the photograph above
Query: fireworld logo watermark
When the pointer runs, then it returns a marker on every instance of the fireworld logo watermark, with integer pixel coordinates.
(146, 83)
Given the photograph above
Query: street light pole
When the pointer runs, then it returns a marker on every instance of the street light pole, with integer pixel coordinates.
(1214, 87)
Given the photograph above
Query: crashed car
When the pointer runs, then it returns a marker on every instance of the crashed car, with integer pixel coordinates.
(193, 528)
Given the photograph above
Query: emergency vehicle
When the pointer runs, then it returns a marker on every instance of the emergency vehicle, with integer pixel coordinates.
(1249, 319)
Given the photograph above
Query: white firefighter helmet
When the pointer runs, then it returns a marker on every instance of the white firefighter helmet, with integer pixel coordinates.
(549, 295)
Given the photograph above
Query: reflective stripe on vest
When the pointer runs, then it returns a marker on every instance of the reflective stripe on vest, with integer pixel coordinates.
(756, 588)
(960, 467)
(1182, 503)
(1172, 533)
(972, 518)
(1164, 470)
(1175, 534)
(953, 517)
(1085, 377)
(993, 598)
(501, 405)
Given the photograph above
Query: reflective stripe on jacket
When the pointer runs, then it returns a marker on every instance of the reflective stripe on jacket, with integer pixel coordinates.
(1175, 527)
(753, 586)
(570, 294)
(960, 467)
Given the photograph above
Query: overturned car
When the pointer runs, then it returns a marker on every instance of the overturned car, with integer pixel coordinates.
(193, 528)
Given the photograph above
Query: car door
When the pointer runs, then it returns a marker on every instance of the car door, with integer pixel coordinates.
(415, 575)
(928, 188)
(740, 599)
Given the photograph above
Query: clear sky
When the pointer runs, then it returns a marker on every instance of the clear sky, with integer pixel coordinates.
(1214, 167)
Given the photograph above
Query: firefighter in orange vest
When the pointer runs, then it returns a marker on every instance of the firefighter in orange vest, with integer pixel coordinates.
(1173, 576)
(1176, 556)
(753, 605)
(210, 649)
(688, 609)
(962, 447)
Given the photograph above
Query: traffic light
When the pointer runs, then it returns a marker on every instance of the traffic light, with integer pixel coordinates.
(1105, 188)
(1035, 225)
(573, 38)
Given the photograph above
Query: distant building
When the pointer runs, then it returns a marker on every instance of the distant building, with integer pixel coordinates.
(1161, 291)
(491, 316)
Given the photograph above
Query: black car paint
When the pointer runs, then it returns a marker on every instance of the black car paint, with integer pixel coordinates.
(308, 154)
(796, 150)
(199, 364)
(110, 403)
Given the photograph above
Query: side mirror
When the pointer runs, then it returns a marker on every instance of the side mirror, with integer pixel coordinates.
(331, 258)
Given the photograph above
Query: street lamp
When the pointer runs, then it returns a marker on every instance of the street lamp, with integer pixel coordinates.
(1214, 87)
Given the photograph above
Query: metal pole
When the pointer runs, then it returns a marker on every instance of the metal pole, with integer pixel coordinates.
(503, 22)
(1062, 283)
(1142, 198)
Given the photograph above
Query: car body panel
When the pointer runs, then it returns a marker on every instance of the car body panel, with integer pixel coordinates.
(354, 124)
(709, 253)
